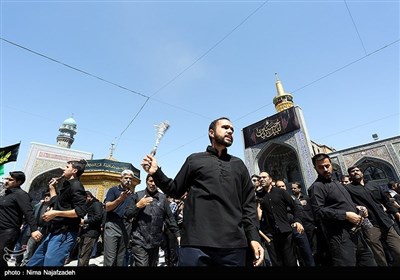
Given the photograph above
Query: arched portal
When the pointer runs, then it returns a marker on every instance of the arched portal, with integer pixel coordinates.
(281, 162)
(40, 184)
(376, 171)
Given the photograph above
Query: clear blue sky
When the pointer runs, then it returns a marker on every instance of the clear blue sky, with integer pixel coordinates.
(197, 61)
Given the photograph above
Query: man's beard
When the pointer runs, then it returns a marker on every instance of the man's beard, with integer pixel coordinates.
(126, 184)
(327, 175)
(221, 141)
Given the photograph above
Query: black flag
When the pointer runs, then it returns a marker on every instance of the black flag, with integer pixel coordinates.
(9, 153)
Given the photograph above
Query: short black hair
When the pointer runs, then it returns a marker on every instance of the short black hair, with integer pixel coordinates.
(344, 176)
(319, 157)
(351, 168)
(391, 185)
(88, 193)
(297, 184)
(213, 124)
(79, 165)
(19, 176)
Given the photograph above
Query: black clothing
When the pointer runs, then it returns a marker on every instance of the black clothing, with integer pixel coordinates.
(330, 201)
(148, 222)
(93, 222)
(205, 256)
(71, 195)
(40, 209)
(275, 206)
(361, 195)
(382, 230)
(307, 217)
(380, 196)
(14, 206)
(8, 239)
(90, 230)
(220, 209)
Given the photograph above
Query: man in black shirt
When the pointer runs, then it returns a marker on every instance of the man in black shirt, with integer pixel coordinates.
(90, 228)
(382, 230)
(333, 206)
(220, 219)
(68, 208)
(150, 213)
(15, 206)
(275, 204)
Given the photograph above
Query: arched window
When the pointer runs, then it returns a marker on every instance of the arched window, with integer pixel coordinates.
(336, 172)
(372, 173)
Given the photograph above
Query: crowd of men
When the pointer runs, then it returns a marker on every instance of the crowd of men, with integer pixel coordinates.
(346, 223)
(211, 214)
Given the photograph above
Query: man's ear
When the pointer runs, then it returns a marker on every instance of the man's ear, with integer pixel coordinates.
(211, 133)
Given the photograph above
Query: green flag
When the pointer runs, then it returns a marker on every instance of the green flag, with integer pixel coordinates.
(2, 170)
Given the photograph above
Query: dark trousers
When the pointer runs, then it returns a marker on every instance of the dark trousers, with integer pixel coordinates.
(282, 250)
(350, 249)
(145, 257)
(304, 249)
(8, 239)
(86, 245)
(170, 247)
(206, 256)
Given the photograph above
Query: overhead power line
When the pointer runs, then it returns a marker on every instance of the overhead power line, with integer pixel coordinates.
(347, 65)
(358, 126)
(210, 49)
(74, 68)
(129, 124)
(355, 26)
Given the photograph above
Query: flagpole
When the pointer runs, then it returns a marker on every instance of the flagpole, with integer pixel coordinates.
(15, 164)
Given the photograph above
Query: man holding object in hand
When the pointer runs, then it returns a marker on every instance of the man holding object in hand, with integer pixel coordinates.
(220, 219)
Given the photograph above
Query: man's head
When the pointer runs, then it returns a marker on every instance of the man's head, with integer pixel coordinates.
(323, 166)
(15, 179)
(89, 196)
(255, 180)
(355, 174)
(345, 179)
(280, 184)
(296, 188)
(74, 168)
(265, 180)
(46, 197)
(126, 178)
(220, 132)
(392, 185)
(150, 184)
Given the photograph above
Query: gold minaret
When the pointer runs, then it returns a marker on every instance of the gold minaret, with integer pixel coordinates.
(282, 100)
(110, 157)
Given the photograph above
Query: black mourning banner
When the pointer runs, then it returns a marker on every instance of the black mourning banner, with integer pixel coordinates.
(9, 153)
(271, 127)
(110, 165)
